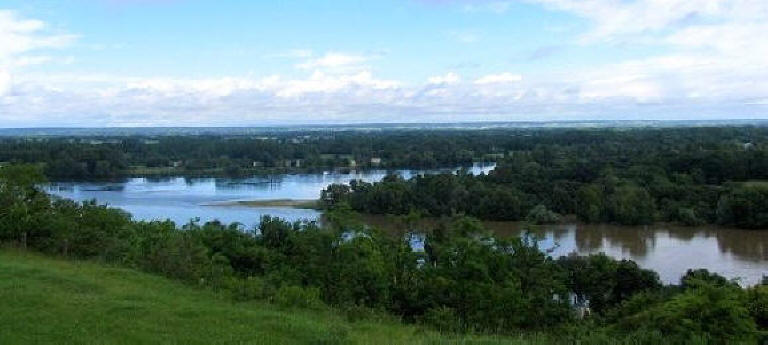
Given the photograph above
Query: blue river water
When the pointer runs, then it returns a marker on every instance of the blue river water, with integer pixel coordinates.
(182, 199)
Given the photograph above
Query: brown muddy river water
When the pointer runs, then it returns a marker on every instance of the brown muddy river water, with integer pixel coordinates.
(668, 250)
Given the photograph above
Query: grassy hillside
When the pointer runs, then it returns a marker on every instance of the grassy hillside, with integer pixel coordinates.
(51, 301)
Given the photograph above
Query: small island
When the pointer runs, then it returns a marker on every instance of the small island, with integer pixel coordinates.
(285, 203)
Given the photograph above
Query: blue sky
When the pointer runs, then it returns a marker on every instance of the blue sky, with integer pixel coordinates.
(203, 63)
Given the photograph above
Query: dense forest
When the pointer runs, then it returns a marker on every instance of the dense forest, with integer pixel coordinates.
(700, 156)
(463, 279)
(109, 157)
(690, 176)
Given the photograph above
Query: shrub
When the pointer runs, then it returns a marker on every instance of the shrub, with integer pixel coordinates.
(757, 304)
(717, 313)
(542, 215)
(688, 217)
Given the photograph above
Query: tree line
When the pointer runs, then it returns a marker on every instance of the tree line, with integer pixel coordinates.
(605, 200)
(111, 157)
(464, 279)
(709, 156)
(690, 176)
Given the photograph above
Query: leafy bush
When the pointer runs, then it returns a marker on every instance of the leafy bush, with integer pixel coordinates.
(745, 207)
(757, 304)
(688, 217)
(541, 215)
(717, 313)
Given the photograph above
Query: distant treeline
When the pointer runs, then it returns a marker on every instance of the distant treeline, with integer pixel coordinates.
(708, 156)
(107, 157)
(690, 176)
(464, 280)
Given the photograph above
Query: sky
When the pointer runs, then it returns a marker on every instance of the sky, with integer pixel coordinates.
(103, 63)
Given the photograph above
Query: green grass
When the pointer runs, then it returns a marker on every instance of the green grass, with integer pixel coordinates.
(55, 301)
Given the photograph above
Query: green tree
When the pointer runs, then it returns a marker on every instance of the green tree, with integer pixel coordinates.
(631, 205)
(589, 204)
(23, 206)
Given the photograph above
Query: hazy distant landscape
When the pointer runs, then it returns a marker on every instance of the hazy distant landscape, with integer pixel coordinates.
(364, 127)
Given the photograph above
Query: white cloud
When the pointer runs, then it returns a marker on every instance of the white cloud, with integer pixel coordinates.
(713, 50)
(333, 60)
(320, 82)
(31, 60)
(629, 87)
(445, 79)
(614, 17)
(499, 79)
(759, 102)
(19, 36)
(5, 82)
(337, 97)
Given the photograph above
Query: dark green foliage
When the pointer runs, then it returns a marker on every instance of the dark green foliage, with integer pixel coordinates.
(434, 195)
(717, 313)
(631, 205)
(590, 206)
(692, 278)
(605, 282)
(757, 303)
(541, 215)
(358, 273)
(745, 207)
(690, 176)
(688, 216)
(23, 207)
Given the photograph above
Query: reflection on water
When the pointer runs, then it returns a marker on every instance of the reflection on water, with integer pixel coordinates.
(668, 250)
(181, 199)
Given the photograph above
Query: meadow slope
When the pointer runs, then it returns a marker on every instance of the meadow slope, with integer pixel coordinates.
(55, 301)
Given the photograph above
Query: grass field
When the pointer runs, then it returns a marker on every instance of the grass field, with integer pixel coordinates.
(53, 301)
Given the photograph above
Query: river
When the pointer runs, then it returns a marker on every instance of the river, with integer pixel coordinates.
(669, 250)
(181, 199)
